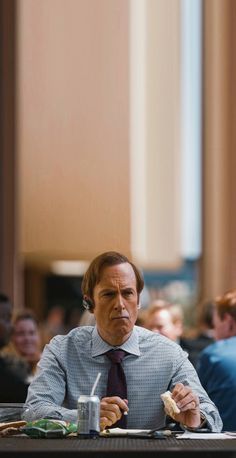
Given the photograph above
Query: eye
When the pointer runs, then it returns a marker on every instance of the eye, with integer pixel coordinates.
(108, 294)
(128, 293)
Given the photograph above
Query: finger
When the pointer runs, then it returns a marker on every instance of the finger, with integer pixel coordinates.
(189, 402)
(181, 392)
(111, 411)
(110, 417)
(122, 403)
(177, 388)
(185, 398)
(105, 422)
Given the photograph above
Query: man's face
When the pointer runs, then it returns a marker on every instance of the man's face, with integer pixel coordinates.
(161, 321)
(116, 303)
(5, 323)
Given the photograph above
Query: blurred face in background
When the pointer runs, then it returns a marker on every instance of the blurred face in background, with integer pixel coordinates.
(161, 321)
(26, 337)
(222, 325)
(224, 315)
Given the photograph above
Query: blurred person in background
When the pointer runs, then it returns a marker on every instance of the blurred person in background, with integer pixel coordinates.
(165, 318)
(203, 334)
(54, 324)
(13, 371)
(25, 340)
(217, 362)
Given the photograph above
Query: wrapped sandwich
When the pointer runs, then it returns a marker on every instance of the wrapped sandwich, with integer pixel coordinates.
(171, 407)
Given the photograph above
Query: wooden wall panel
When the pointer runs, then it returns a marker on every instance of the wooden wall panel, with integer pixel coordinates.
(73, 128)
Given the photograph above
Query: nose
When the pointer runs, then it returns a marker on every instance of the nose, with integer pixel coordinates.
(119, 303)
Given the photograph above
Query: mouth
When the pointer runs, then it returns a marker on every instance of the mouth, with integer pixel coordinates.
(120, 318)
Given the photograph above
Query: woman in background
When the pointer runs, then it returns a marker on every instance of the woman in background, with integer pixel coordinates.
(26, 340)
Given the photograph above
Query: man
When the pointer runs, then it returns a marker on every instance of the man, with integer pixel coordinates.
(217, 366)
(153, 364)
(13, 371)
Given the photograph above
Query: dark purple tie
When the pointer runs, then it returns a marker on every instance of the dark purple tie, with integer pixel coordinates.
(116, 382)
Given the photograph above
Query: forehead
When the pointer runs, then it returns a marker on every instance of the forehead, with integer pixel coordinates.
(25, 323)
(162, 315)
(122, 274)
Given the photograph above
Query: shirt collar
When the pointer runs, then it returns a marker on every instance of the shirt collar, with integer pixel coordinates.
(99, 346)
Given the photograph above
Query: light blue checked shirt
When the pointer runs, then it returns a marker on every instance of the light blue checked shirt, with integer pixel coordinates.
(70, 364)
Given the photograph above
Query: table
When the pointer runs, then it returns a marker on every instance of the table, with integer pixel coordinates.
(122, 447)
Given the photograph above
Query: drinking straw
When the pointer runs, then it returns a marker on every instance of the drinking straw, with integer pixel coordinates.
(95, 384)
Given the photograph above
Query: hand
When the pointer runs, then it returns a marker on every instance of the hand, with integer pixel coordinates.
(111, 410)
(188, 403)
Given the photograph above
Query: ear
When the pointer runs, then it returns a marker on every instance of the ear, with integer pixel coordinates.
(88, 304)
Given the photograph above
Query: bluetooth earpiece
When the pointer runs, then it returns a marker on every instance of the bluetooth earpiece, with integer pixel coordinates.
(87, 304)
(139, 306)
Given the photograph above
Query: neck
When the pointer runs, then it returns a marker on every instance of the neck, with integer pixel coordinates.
(114, 341)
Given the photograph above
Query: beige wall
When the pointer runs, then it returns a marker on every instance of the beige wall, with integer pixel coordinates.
(79, 178)
(73, 128)
(84, 185)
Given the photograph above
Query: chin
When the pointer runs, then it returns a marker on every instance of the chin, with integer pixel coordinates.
(124, 329)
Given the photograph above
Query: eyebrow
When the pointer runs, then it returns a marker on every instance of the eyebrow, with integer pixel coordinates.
(109, 290)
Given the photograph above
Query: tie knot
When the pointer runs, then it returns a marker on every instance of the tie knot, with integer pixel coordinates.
(116, 356)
